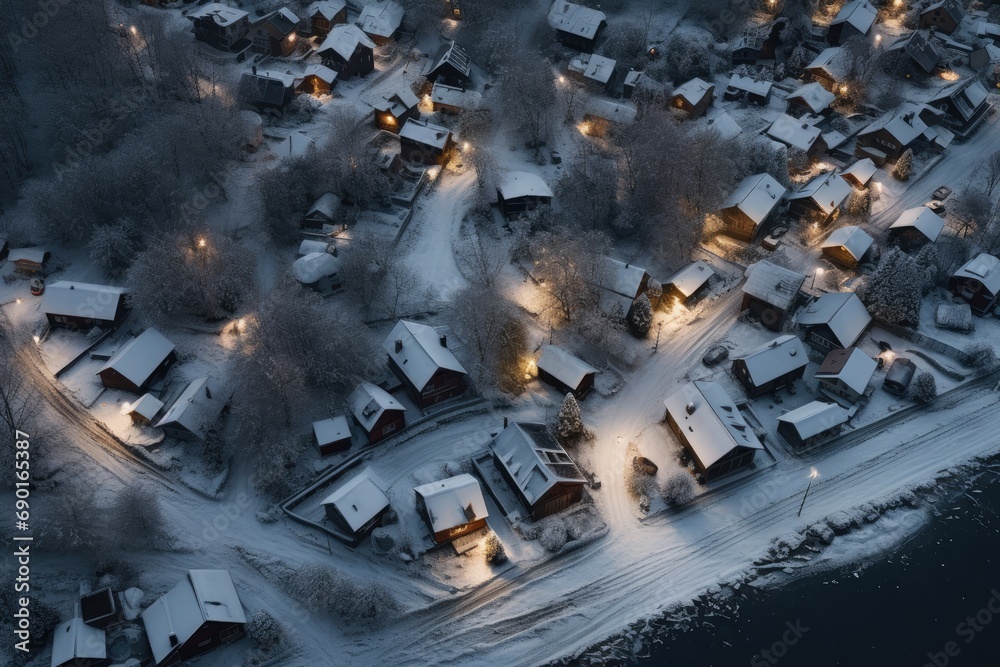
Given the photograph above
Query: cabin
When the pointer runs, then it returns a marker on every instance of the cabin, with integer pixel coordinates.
(772, 366)
(844, 375)
(888, 137)
(522, 191)
(381, 21)
(942, 17)
(855, 19)
(324, 15)
(358, 506)
(770, 292)
(265, 92)
(602, 115)
(223, 27)
(978, 283)
(84, 305)
(752, 207)
(915, 228)
(453, 100)
(914, 54)
(425, 143)
(798, 134)
(710, 427)
(567, 373)
(598, 74)
(759, 44)
(693, 97)
(833, 320)
(393, 112)
(139, 363)
(201, 613)
(900, 374)
(196, 411)
(812, 98)
(829, 69)
(576, 27)
(452, 507)
(377, 413)
(28, 261)
(849, 246)
(860, 174)
(624, 278)
(348, 50)
(419, 356)
(332, 435)
(739, 87)
(317, 80)
(689, 281)
(319, 271)
(274, 35)
(144, 410)
(325, 211)
(451, 65)
(820, 200)
(965, 106)
(812, 423)
(539, 471)
(76, 644)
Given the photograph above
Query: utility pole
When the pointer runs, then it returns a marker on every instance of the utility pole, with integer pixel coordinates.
(812, 475)
(657, 346)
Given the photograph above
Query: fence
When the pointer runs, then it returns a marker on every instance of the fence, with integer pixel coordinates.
(930, 343)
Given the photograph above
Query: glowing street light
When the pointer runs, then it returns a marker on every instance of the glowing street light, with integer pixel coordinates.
(202, 242)
(465, 146)
(878, 39)
(813, 474)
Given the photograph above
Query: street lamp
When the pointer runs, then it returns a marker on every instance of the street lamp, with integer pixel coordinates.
(813, 474)
(202, 242)
(817, 272)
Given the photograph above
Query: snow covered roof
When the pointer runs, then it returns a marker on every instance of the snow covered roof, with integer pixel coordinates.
(452, 54)
(776, 358)
(794, 132)
(328, 9)
(399, 102)
(35, 255)
(321, 72)
(309, 246)
(756, 196)
(814, 418)
(623, 278)
(283, 20)
(575, 19)
(691, 277)
(814, 96)
(984, 268)
(453, 96)
(858, 13)
(750, 85)
(991, 52)
(381, 19)
(369, 402)
(968, 95)
(693, 91)
(563, 366)
(533, 459)
(314, 267)
(147, 406)
(710, 421)
(593, 66)
(921, 218)
(422, 352)
(99, 302)
(453, 502)
(198, 407)
(827, 190)
(523, 184)
(221, 14)
(138, 358)
(832, 61)
(851, 366)
(843, 312)
(773, 284)
(987, 29)
(75, 642)
(905, 124)
(286, 78)
(428, 134)
(328, 205)
(919, 48)
(202, 596)
(950, 6)
(295, 145)
(360, 500)
(725, 125)
(344, 39)
(331, 430)
(853, 239)
(860, 172)
(611, 110)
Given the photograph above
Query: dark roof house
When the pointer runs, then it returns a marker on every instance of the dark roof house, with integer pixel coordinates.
(576, 27)
(770, 367)
(834, 320)
(83, 305)
(751, 207)
(196, 411)
(568, 374)
(844, 375)
(854, 19)
(451, 65)
(978, 283)
(942, 16)
(770, 292)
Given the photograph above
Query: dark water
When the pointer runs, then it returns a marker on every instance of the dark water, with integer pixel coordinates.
(934, 600)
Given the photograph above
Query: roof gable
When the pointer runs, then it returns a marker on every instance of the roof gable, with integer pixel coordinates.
(71, 299)
(453, 502)
(533, 459)
(756, 196)
(773, 284)
(563, 366)
(712, 424)
(138, 358)
(421, 352)
(843, 312)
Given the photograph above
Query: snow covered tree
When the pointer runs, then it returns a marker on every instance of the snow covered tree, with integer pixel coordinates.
(654, 292)
(641, 317)
(570, 263)
(264, 630)
(495, 553)
(491, 329)
(971, 212)
(569, 421)
(136, 520)
(679, 489)
(114, 246)
(904, 165)
(982, 356)
(20, 403)
(924, 387)
(859, 203)
(73, 524)
(376, 276)
(527, 97)
(893, 293)
(371, 604)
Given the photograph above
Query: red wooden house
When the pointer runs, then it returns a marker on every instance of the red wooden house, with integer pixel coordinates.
(420, 358)
(377, 413)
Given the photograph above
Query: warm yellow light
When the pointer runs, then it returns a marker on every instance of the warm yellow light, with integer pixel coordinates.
(561, 78)
(202, 242)
(878, 38)
(133, 30)
(241, 324)
(897, 3)
(465, 146)
(36, 339)
(584, 128)
(843, 89)
(949, 75)
(291, 37)
(17, 300)
(813, 473)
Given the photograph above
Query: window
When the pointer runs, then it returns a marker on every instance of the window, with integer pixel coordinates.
(388, 428)
(230, 632)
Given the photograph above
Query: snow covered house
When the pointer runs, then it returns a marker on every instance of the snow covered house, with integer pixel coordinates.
(76, 644)
(325, 211)
(601, 115)
(28, 261)
(381, 21)
(565, 372)
(84, 305)
(377, 413)
(687, 282)
(537, 469)
(425, 143)
(325, 14)
(758, 92)
(576, 27)
(943, 16)
(849, 246)
(420, 358)
(522, 191)
(844, 375)
(454, 100)
(855, 19)
(833, 320)
(139, 363)
(964, 104)
(812, 423)
(348, 50)
(709, 425)
(860, 173)
(319, 271)
(770, 292)
(624, 278)
(820, 200)
(829, 68)
(915, 228)
(914, 54)
(811, 98)
(770, 367)
(196, 411)
(451, 65)
(142, 411)
(978, 283)
(597, 73)
(199, 614)
(274, 34)
(694, 97)
(758, 43)
(452, 507)
(265, 92)
(797, 133)
(220, 26)
(393, 112)
(885, 139)
(358, 505)
(332, 435)
(317, 80)
(752, 207)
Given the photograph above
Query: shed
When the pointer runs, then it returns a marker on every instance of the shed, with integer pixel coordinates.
(76, 644)
(381, 21)
(812, 98)
(332, 435)
(797, 133)
(568, 374)
(196, 411)
(752, 206)
(317, 80)
(897, 379)
(100, 608)
(776, 364)
(598, 73)
(829, 68)
(454, 100)
(143, 410)
(624, 278)
(84, 305)
(325, 14)
(419, 356)
(522, 191)
(978, 283)
(602, 115)
(848, 246)
(265, 92)
(576, 26)
(694, 97)
(770, 292)
(689, 281)
(358, 504)
(139, 363)
(855, 19)
(860, 173)
(295, 145)
(452, 507)
(844, 375)
(758, 92)
(319, 271)
(325, 211)
(425, 143)
(834, 320)
(348, 50)
(28, 261)
(915, 228)
(377, 413)
(812, 423)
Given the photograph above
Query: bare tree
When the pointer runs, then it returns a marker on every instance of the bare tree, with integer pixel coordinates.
(570, 264)
(991, 168)
(528, 94)
(489, 326)
(136, 519)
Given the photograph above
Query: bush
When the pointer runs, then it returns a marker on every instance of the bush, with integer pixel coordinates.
(904, 165)
(569, 422)
(679, 488)
(495, 553)
(554, 536)
(371, 604)
(924, 387)
(136, 519)
(264, 631)
(983, 356)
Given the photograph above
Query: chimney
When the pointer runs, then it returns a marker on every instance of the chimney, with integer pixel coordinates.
(253, 69)
(505, 422)
(689, 408)
(399, 345)
(443, 340)
(208, 394)
(172, 638)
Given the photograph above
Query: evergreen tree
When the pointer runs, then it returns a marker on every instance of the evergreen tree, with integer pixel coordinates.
(924, 387)
(904, 165)
(641, 318)
(893, 294)
(569, 422)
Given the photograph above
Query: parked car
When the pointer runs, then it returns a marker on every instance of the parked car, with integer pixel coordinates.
(936, 205)
(715, 356)
(942, 192)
